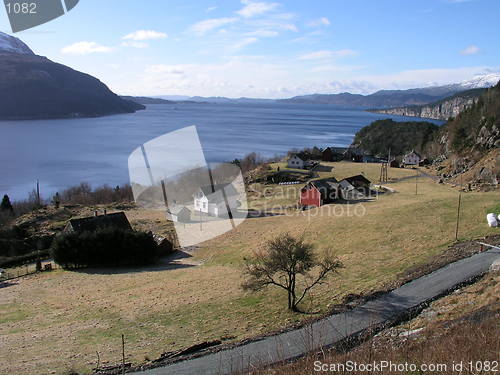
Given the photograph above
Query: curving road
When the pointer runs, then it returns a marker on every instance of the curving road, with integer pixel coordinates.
(331, 330)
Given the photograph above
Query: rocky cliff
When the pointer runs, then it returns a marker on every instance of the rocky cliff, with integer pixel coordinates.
(440, 110)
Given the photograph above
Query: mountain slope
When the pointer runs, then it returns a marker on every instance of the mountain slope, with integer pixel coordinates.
(440, 110)
(33, 87)
(10, 44)
(380, 99)
(476, 128)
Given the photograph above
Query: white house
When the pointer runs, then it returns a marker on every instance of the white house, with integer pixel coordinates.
(214, 201)
(296, 162)
(412, 158)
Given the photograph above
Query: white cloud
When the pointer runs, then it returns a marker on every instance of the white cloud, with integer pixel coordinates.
(134, 44)
(252, 9)
(268, 77)
(244, 42)
(335, 68)
(327, 54)
(85, 48)
(211, 9)
(323, 21)
(210, 24)
(470, 50)
(263, 33)
(145, 35)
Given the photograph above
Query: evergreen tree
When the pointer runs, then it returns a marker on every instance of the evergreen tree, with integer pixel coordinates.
(6, 205)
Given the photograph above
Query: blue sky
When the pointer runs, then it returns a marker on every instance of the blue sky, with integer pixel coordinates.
(272, 49)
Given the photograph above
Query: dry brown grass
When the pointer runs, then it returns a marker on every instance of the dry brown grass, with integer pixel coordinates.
(53, 321)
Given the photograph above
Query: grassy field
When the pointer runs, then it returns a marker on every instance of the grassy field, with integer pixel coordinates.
(58, 320)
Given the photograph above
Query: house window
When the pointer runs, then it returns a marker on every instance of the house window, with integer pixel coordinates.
(204, 205)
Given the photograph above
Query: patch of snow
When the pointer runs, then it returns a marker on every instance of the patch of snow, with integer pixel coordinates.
(12, 44)
(481, 81)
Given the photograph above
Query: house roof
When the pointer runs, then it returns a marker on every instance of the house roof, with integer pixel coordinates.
(324, 185)
(338, 150)
(177, 209)
(357, 178)
(228, 188)
(298, 156)
(93, 223)
(355, 151)
(413, 152)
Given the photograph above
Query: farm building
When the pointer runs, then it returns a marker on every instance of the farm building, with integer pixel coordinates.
(394, 163)
(371, 159)
(319, 192)
(90, 224)
(179, 214)
(354, 154)
(211, 201)
(296, 162)
(333, 153)
(360, 183)
(412, 158)
(424, 162)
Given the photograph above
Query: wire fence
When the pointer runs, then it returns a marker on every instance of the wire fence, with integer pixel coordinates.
(26, 270)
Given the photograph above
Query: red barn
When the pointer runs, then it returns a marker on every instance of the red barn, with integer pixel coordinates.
(318, 192)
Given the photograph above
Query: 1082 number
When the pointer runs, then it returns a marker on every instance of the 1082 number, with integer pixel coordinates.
(21, 8)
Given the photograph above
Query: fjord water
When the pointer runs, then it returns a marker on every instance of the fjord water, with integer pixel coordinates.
(63, 153)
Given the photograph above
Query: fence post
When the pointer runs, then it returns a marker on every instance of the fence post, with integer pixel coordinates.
(123, 353)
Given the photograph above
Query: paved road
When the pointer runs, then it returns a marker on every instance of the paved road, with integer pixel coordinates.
(329, 331)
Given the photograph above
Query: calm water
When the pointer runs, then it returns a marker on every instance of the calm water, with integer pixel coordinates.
(62, 153)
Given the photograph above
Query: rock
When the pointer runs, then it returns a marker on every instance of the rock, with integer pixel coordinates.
(486, 175)
(410, 333)
(495, 266)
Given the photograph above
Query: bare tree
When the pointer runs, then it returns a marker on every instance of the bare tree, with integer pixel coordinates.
(288, 263)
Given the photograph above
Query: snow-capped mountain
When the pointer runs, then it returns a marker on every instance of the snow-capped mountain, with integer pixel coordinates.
(33, 87)
(10, 44)
(481, 81)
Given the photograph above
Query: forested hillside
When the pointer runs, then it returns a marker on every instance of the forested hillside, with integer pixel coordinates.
(399, 137)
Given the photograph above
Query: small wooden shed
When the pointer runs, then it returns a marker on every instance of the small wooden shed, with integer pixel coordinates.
(179, 214)
(319, 192)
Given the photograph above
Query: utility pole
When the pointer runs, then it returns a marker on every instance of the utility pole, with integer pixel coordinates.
(458, 208)
(416, 183)
(38, 193)
(458, 214)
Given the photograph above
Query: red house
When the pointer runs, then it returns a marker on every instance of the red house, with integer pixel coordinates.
(319, 192)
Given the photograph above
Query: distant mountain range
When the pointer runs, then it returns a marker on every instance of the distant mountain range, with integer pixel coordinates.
(397, 98)
(379, 100)
(33, 87)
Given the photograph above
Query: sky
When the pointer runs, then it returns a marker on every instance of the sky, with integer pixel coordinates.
(271, 49)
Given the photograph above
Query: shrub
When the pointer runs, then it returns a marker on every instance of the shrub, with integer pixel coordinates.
(108, 247)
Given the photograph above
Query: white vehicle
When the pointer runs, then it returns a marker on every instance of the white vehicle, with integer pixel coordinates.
(492, 220)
